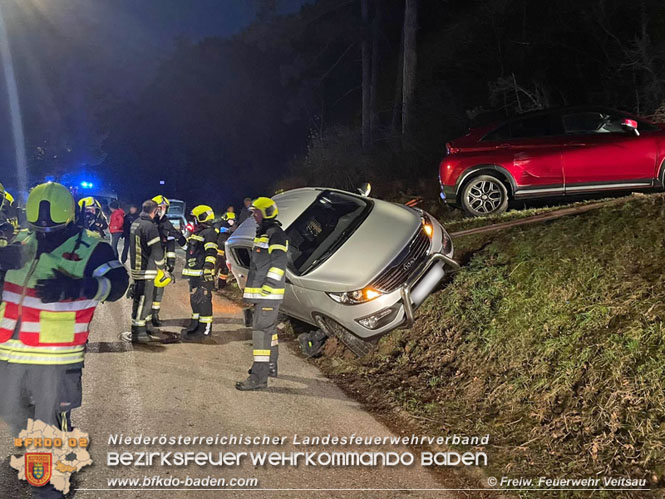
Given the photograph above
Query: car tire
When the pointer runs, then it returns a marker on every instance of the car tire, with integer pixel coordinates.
(484, 195)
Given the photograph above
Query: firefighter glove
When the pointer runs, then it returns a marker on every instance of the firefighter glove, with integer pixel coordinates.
(61, 287)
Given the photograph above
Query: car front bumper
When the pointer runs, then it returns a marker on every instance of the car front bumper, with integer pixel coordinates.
(395, 309)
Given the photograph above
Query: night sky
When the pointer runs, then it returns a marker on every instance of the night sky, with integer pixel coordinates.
(65, 49)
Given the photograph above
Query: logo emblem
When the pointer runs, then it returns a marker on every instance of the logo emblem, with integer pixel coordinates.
(407, 265)
(38, 468)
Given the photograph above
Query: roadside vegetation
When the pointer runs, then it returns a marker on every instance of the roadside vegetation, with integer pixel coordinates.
(550, 339)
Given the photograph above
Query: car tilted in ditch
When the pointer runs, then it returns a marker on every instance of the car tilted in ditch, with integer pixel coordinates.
(358, 267)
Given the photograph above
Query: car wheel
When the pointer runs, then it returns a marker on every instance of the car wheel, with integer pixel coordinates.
(484, 195)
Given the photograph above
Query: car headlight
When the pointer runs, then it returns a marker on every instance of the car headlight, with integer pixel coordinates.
(354, 297)
(428, 228)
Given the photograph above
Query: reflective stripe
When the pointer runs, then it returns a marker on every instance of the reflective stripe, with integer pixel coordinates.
(156, 305)
(208, 246)
(261, 355)
(159, 263)
(195, 316)
(9, 324)
(273, 291)
(275, 273)
(14, 351)
(196, 237)
(34, 327)
(36, 303)
(205, 319)
(103, 289)
(170, 254)
(261, 242)
(275, 340)
(192, 272)
(278, 247)
(105, 268)
(154, 241)
(211, 259)
(143, 274)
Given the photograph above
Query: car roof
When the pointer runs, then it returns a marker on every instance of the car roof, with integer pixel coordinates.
(560, 110)
(292, 203)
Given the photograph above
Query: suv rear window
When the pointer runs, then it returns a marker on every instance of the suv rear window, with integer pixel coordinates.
(323, 227)
(536, 126)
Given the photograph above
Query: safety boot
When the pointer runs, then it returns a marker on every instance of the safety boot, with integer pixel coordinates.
(203, 330)
(140, 335)
(258, 379)
(193, 326)
(155, 318)
(272, 370)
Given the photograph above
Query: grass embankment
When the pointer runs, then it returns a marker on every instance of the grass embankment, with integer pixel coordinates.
(550, 339)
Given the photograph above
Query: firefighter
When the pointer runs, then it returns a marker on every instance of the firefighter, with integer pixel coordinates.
(265, 289)
(48, 306)
(169, 237)
(92, 216)
(199, 269)
(10, 211)
(221, 270)
(7, 226)
(147, 263)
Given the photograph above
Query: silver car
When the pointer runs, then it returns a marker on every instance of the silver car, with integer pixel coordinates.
(358, 267)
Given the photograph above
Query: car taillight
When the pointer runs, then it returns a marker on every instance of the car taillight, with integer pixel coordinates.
(451, 149)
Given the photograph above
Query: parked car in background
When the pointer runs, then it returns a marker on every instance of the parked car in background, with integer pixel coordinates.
(552, 153)
(357, 267)
(176, 214)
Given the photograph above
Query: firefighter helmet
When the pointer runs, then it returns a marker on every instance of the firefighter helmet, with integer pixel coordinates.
(203, 213)
(161, 200)
(89, 202)
(266, 206)
(163, 279)
(50, 207)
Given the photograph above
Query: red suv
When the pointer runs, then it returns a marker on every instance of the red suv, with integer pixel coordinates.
(551, 153)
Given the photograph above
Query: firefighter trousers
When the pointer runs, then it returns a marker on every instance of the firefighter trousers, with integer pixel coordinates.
(264, 334)
(157, 297)
(39, 392)
(200, 298)
(144, 290)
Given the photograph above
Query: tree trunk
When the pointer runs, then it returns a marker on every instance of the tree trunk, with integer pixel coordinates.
(396, 124)
(366, 77)
(410, 59)
(376, 28)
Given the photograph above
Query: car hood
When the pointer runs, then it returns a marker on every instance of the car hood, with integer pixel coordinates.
(370, 249)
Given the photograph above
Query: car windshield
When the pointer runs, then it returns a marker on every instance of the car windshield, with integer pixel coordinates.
(323, 227)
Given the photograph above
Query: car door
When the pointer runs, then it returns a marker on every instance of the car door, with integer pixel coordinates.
(534, 146)
(603, 154)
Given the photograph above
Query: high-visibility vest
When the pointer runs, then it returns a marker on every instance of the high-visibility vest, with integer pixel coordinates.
(49, 333)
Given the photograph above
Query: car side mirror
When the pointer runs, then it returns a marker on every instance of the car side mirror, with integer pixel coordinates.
(631, 126)
(365, 189)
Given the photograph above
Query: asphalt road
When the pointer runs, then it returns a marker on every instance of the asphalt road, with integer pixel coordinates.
(188, 389)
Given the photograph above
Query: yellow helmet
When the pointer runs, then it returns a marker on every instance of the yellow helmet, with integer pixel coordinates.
(89, 202)
(266, 206)
(163, 279)
(161, 200)
(50, 207)
(203, 213)
(229, 215)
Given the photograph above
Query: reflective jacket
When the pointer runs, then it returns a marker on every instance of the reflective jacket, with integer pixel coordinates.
(201, 251)
(265, 281)
(34, 332)
(146, 252)
(169, 236)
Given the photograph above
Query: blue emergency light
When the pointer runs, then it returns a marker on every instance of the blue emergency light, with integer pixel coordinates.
(86, 185)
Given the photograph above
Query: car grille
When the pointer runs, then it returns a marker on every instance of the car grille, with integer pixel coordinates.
(408, 262)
